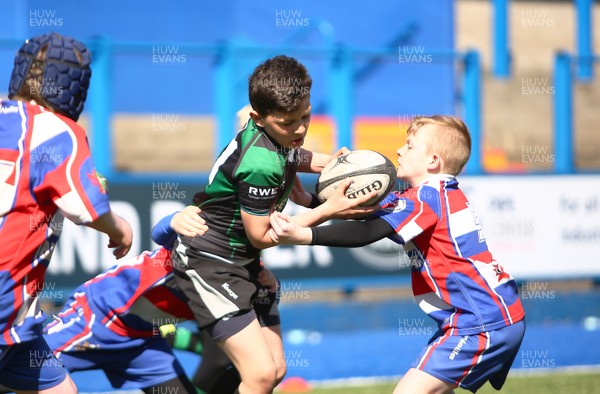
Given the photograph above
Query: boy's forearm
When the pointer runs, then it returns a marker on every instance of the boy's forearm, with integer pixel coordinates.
(313, 161)
(257, 229)
(351, 234)
(110, 224)
(118, 230)
(314, 216)
(162, 233)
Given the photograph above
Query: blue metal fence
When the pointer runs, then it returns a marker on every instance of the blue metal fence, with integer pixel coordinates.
(501, 66)
(567, 69)
(340, 80)
(565, 66)
(584, 33)
(584, 40)
(563, 113)
(341, 62)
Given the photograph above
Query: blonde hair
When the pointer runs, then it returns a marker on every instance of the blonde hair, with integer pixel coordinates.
(452, 142)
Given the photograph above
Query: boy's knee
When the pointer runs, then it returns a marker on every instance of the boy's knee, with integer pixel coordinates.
(281, 371)
(265, 379)
(264, 382)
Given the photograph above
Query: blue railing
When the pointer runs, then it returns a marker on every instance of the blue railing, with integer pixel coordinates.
(564, 71)
(584, 33)
(472, 115)
(584, 40)
(340, 77)
(501, 66)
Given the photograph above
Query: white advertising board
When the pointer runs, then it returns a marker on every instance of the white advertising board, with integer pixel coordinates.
(540, 226)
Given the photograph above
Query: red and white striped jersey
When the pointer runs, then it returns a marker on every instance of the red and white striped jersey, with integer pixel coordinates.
(122, 306)
(455, 279)
(45, 167)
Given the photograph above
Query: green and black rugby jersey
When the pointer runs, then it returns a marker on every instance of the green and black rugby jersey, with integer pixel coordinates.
(253, 173)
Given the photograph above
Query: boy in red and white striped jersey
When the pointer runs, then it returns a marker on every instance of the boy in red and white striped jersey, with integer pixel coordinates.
(455, 278)
(46, 173)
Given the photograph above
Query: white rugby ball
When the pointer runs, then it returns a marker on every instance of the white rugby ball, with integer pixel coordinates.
(369, 171)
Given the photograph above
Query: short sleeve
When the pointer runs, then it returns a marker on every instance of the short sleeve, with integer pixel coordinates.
(258, 192)
(62, 169)
(260, 178)
(412, 212)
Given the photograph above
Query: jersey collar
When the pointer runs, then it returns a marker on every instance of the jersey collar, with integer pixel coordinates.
(437, 178)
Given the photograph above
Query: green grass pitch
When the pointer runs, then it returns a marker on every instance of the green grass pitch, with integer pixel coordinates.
(555, 383)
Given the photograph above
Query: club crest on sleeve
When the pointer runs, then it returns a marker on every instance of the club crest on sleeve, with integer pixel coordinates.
(395, 206)
(500, 273)
(99, 181)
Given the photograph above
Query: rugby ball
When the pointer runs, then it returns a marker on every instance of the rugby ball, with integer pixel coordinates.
(369, 171)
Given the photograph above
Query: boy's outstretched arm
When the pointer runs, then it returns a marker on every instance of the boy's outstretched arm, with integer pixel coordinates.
(338, 206)
(315, 161)
(185, 222)
(285, 230)
(188, 222)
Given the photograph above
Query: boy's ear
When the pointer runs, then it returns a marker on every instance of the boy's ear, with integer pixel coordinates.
(435, 163)
(256, 118)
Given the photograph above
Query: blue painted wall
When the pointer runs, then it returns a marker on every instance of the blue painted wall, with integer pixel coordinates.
(387, 87)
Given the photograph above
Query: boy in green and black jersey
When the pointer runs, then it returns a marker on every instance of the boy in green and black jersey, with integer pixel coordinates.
(253, 176)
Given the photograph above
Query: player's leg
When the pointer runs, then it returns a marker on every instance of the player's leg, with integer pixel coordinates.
(223, 290)
(438, 370)
(272, 335)
(220, 295)
(416, 382)
(216, 373)
(249, 351)
(266, 306)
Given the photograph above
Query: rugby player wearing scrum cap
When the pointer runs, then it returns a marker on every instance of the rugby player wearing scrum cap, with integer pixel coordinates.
(46, 173)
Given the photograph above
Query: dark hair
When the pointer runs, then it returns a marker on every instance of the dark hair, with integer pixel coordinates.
(279, 84)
